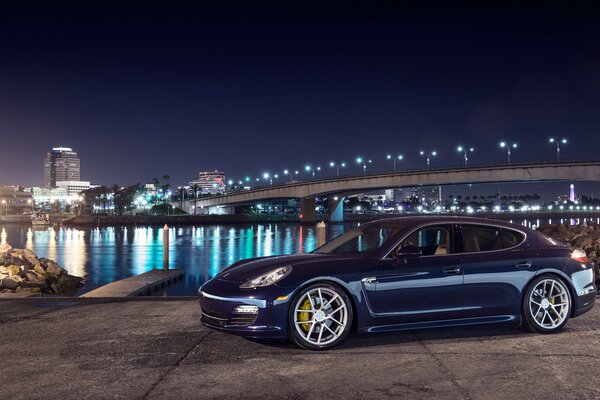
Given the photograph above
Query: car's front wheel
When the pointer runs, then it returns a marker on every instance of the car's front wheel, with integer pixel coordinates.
(320, 317)
(547, 304)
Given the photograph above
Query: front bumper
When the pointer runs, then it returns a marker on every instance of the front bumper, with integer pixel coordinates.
(218, 299)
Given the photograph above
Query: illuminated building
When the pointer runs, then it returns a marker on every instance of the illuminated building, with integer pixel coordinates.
(61, 164)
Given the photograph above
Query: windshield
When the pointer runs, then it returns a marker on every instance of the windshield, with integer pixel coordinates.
(359, 241)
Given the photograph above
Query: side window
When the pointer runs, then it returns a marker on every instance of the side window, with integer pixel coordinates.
(431, 240)
(480, 238)
(512, 238)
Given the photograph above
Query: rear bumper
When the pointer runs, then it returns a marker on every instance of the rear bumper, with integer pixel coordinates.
(585, 303)
(218, 299)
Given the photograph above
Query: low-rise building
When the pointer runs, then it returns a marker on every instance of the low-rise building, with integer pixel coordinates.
(15, 201)
(209, 182)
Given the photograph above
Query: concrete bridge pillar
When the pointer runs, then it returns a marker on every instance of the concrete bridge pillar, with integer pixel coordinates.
(307, 210)
(335, 208)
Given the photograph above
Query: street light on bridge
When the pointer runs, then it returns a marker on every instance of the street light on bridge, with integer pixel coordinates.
(508, 146)
(268, 177)
(337, 166)
(464, 151)
(308, 168)
(360, 160)
(558, 143)
(428, 156)
(398, 157)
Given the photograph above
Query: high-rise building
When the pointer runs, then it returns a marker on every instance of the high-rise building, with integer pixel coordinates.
(60, 164)
(210, 182)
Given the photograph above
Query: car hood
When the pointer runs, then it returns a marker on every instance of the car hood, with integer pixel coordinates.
(250, 269)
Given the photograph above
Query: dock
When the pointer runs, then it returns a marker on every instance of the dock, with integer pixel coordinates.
(138, 285)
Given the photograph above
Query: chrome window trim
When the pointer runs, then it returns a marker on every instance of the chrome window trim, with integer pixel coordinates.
(459, 224)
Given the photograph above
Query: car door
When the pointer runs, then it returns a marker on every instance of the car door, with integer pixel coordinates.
(495, 268)
(424, 287)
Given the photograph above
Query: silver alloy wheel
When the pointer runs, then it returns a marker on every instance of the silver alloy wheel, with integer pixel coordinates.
(324, 322)
(549, 303)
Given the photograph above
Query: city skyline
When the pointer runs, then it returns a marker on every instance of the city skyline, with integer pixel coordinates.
(255, 91)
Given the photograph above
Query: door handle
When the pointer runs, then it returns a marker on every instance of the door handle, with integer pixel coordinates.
(526, 264)
(451, 270)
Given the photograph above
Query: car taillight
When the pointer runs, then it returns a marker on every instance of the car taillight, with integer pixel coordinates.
(579, 256)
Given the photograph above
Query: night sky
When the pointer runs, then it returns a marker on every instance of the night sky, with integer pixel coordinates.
(144, 92)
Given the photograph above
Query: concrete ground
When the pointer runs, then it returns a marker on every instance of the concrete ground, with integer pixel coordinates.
(157, 350)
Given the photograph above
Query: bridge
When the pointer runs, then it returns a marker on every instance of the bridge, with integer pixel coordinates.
(337, 188)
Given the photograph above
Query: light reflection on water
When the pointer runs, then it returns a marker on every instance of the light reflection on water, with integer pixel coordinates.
(103, 255)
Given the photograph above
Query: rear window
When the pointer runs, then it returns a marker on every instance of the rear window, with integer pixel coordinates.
(512, 238)
(487, 238)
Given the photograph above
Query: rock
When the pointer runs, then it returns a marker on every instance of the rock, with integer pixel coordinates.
(22, 271)
(9, 283)
(34, 277)
(54, 270)
(38, 268)
(5, 248)
(14, 270)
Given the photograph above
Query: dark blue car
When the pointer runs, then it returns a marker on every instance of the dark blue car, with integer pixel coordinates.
(403, 273)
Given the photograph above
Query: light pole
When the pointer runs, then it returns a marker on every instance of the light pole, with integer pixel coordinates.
(337, 166)
(360, 160)
(308, 168)
(398, 157)
(268, 177)
(558, 143)
(287, 172)
(428, 156)
(465, 151)
(249, 179)
(508, 146)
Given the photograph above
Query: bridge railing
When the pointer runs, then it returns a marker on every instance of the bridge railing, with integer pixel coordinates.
(444, 168)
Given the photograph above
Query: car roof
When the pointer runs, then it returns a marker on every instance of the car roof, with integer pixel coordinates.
(413, 221)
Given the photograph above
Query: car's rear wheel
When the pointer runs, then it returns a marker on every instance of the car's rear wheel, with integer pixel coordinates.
(320, 317)
(547, 304)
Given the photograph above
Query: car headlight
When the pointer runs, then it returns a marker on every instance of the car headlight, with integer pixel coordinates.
(267, 279)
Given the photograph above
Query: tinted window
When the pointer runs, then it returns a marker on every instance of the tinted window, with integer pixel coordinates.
(359, 241)
(479, 238)
(431, 240)
(511, 238)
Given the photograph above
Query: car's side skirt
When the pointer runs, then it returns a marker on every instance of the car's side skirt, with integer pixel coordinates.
(494, 319)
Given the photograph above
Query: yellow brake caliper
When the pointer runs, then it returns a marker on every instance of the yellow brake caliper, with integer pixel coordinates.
(304, 316)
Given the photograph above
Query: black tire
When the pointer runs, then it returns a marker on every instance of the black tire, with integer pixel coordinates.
(548, 309)
(326, 324)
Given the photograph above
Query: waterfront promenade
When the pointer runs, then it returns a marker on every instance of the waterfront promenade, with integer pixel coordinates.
(155, 349)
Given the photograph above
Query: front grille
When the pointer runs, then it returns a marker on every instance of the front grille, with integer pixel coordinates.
(214, 318)
(242, 320)
(222, 320)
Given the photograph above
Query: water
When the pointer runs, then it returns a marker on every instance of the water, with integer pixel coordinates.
(104, 255)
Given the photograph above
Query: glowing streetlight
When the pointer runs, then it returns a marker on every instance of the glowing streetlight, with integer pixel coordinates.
(308, 168)
(428, 156)
(558, 143)
(398, 157)
(267, 176)
(360, 160)
(337, 166)
(465, 151)
(508, 146)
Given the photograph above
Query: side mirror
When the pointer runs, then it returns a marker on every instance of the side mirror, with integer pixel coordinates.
(409, 250)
